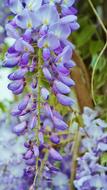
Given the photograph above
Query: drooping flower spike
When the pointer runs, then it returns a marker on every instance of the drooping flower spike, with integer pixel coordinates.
(42, 54)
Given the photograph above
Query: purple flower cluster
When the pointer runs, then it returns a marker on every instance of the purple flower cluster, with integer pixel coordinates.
(91, 174)
(40, 25)
(42, 55)
(11, 162)
(91, 171)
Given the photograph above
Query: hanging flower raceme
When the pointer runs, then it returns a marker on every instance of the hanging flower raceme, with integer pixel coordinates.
(42, 55)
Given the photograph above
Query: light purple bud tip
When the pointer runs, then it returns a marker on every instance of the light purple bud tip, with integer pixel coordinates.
(59, 124)
(65, 100)
(47, 74)
(55, 155)
(46, 53)
(19, 90)
(24, 103)
(20, 127)
(36, 151)
(17, 75)
(55, 139)
(14, 85)
(66, 80)
(32, 123)
(44, 93)
(61, 87)
(28, 155)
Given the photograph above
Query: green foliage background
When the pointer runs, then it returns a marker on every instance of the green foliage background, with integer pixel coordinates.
(89, 41)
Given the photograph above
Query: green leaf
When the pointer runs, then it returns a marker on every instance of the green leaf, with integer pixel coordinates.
(85, 35)
(104, 159)
(2, 107)
(96, 46)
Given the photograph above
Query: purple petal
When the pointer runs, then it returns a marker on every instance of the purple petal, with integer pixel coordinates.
(65, 100)
(50, 41)
(44, 93)
(46, 53)
(55, 139)
(28, 154)
(48, 110)
(74, 26)
(11, 62)
(20, 127)
(41, 137)
(16, 112)
(66, 54)
(67, 3)
(69, 64)
(30, 162)
(57, 114)
(66, 80)
(59, 124)
(17, 75)
(22, 45)
(36, 151)
(14, 85)
(63, 69)
(33, 5)
(61, 87)
(27, 20)
(60, 30)
(15, 6)
(55, 155)
(11, 31)
(32, 123)
(24, 59)
(68, 19)
(47, 74)
(19, 90)
(48, 124)
(47, 14)
(24, 103)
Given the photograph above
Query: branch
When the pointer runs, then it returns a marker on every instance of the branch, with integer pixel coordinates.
(81, 77)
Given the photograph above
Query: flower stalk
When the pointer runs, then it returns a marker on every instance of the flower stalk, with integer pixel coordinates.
(39, 93)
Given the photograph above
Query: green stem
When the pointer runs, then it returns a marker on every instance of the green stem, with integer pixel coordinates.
(75, 151)
(39, 93)
(43, 162)
(99, 19)
(37, 128)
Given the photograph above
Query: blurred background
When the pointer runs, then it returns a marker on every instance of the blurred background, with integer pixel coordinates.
(90, 40)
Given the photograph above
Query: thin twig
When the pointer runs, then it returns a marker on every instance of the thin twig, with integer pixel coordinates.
(99, 19)
(93, 73)
(102, 51)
